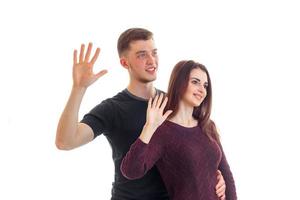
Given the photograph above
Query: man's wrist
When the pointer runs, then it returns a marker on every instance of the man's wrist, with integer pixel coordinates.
(78, 89)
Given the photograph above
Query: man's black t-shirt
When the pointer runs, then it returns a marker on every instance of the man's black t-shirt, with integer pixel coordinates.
(121, 119)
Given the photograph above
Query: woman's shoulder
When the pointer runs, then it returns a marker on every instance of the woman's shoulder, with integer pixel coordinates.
(163, 130)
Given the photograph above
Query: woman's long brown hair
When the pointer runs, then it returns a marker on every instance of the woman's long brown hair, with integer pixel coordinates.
(177, 86)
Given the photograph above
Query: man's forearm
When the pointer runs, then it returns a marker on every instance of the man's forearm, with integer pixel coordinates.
(68, 122)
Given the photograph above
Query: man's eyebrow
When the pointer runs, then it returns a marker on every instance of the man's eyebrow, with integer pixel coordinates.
(144, 51)
(139, 52)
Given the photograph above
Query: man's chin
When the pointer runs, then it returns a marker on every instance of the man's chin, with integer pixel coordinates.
(148, 80)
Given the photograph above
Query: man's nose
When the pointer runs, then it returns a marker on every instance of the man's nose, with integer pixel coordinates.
(151, 59)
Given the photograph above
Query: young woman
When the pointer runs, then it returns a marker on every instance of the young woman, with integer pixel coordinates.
(181, 140)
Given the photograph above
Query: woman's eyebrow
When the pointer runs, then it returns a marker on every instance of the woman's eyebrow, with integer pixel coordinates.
(196, 79)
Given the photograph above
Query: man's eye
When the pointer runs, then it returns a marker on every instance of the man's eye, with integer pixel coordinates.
(142, 55)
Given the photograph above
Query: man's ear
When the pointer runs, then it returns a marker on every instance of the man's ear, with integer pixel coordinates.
(123, 62)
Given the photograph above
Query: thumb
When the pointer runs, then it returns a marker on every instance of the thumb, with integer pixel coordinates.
(218, 174)
(101, 73)
(167, 113)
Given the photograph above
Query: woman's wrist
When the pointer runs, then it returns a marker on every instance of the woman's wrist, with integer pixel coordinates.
(147, 132)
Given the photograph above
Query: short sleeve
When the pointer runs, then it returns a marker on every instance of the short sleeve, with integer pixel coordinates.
(100, 118)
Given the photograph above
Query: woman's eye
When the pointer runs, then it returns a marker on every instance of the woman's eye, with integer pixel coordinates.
(195, 82)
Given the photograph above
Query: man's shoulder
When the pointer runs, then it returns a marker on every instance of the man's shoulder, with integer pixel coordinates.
(124, 97)
(120, 100)
(119, 97)
(158, 91)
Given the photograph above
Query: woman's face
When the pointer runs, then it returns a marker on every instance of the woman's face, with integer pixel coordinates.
(197, 88)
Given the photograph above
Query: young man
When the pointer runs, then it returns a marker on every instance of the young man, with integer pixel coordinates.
(120, 118)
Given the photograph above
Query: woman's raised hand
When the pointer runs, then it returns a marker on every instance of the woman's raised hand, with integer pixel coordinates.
(155, 115)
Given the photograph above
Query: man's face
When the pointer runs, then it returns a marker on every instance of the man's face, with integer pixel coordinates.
(141, 60)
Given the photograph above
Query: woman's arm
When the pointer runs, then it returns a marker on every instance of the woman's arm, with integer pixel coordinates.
(148, 148)
(141, 157)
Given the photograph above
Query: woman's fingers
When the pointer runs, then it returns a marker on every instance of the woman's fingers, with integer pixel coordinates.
(160, 98)
(167, 113)
(164, 103)
(149, 103)
(159, 102)
(154, 103)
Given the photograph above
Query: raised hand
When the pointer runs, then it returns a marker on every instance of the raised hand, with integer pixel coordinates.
(155, 115)
(83, 75)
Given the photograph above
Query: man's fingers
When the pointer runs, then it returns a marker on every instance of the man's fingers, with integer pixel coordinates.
(81, 53)
(95, 56)
(85, 58)
(219, 184)
(88, 52)
(221, 190)
(222, 197)
(75, 57)
(220, 180)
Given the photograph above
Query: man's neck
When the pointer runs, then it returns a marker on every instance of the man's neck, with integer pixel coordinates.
(142, 90)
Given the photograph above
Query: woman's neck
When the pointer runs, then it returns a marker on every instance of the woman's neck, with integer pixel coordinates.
(184, 116)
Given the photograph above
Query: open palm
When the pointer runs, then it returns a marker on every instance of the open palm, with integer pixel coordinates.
(83, 75)
(155, 115)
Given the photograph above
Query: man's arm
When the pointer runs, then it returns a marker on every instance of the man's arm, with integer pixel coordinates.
(230, 192)
(221, 186)
(71, 134)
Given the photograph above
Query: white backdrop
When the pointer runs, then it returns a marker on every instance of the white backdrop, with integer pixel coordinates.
(251, 49)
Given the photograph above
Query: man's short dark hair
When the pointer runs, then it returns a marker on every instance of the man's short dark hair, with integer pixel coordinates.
(131, 35)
